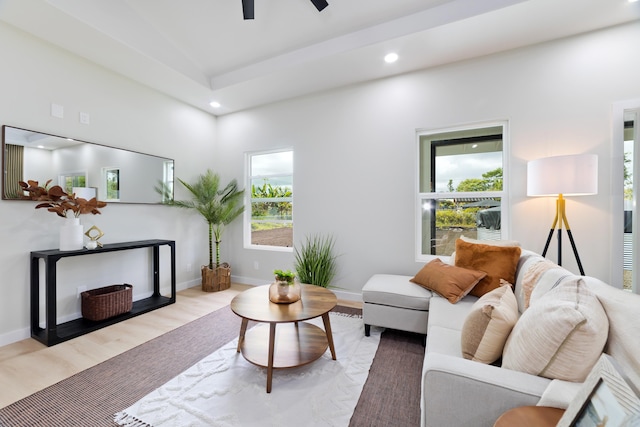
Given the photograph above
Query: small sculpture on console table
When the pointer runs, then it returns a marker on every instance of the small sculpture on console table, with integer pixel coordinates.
(94, 233)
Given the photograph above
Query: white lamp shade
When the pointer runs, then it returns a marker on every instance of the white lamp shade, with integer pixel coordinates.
(572, 175)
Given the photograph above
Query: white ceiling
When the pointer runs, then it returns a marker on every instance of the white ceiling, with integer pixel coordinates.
(203, 50)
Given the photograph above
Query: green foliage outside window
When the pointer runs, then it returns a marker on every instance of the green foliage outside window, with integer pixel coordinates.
(452, 214)
(490, 181)
(465, 218)
(273, 210)
(628, 177)
(113, 184)
(74, 181)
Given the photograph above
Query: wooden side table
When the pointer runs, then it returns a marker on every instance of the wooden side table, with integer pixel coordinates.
(530, 416)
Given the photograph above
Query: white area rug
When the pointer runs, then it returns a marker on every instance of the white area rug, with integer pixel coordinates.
(224, 389)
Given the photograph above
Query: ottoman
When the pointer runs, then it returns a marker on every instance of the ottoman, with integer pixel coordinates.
(392, 301)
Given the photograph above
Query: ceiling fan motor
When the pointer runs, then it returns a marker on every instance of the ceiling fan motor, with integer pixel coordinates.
(248, 9)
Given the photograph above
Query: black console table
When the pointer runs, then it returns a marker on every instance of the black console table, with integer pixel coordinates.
(53, 333)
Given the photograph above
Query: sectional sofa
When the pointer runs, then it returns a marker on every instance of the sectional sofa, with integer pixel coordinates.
(531, 340)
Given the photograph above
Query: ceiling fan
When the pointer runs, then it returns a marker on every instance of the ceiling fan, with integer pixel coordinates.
(248, 9)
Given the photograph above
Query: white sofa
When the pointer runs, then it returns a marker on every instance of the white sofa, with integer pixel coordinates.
(459, 392)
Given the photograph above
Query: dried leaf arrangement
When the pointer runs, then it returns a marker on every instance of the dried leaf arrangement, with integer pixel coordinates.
(56, 200)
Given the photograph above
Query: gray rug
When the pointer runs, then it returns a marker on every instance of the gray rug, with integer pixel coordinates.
(391, 395)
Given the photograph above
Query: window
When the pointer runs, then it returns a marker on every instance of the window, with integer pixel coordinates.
(270, 211)
(629, 276)
(112, 184)
(461, 187)
(72, 179)
(167, 179)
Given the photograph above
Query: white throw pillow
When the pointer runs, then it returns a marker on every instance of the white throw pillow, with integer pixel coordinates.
(560, 336)
(488, 325)
(551, 279)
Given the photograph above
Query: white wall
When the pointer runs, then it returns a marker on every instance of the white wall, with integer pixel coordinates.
(43, 158)
(123, 114)
(355, 150)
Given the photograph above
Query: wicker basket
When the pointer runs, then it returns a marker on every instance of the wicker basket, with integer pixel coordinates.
(106, 302)
(217, 279)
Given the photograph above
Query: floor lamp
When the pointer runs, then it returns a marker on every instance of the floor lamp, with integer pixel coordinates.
(574, 175)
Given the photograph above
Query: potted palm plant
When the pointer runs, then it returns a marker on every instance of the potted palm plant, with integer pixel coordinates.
(219, 207)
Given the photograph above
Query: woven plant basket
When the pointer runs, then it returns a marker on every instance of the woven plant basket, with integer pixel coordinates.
(217, 279)
(109, 301)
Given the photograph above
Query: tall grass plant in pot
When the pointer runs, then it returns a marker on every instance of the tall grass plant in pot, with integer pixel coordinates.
(219, 207)
(315, 260)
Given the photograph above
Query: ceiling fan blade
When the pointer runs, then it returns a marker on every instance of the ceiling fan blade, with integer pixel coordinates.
(248, 9)
(320, 4)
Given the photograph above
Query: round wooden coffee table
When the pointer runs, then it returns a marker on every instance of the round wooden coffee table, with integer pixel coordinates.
(295, 343)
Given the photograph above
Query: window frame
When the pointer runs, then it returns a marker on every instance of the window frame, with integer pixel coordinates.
(619, 110)
(168, 178)
(435, 195)
(106, 171)
(249, 200)
(630, 240)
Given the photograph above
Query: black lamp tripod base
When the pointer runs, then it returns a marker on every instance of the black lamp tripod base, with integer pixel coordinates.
(561, 218)
(573, 246)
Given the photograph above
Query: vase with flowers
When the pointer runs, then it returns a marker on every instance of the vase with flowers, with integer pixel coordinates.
(285, 289)
(64, 205)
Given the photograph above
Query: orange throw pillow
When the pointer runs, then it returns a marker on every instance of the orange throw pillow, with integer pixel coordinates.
(449, 281)
(499, 262)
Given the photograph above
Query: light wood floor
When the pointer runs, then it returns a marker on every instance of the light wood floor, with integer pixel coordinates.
(28, 366)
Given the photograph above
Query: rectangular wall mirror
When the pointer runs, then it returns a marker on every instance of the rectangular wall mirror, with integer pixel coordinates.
(114, 174)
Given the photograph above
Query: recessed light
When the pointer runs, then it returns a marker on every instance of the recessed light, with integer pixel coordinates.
(632, 1)
(215, 104)
(391, 58)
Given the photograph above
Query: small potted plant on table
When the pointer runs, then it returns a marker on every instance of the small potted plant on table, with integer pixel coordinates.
(284, 290)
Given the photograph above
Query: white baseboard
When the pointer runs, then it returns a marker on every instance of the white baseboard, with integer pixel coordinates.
(15, 336)
(188, 284)
(347, 295)
(248, 280)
